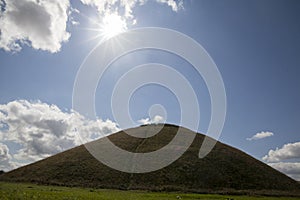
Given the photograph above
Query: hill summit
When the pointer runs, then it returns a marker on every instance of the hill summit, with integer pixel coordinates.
(223, 169)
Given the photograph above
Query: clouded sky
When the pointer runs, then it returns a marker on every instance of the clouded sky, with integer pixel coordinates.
(255, 45)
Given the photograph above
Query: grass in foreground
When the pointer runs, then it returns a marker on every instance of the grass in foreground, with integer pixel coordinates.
(31, 191)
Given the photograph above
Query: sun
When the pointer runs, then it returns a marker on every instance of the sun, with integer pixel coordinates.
(112, 25)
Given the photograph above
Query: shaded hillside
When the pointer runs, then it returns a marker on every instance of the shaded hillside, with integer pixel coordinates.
(224, 168)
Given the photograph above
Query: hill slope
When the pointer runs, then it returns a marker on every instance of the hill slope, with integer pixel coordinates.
(224, 168)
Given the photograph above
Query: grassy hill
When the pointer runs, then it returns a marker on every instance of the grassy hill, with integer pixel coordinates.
(224, 169)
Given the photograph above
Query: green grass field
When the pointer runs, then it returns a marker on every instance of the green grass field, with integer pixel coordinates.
(31, 191)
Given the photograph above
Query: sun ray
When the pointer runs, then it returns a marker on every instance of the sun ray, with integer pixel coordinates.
(112, 25)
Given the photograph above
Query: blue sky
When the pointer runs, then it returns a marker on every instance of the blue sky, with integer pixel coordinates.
(255, 45)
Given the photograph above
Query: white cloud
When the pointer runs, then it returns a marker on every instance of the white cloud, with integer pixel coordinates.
(6, 160)
(5, 157)
(288, 151)
(71, 17)
(109, 6)
(43, 130)
(292, 169)
(260, 135)
(155, 120)
(287, 167)
(175, 6)
(42, 24)
(75, 23)
(39, 24)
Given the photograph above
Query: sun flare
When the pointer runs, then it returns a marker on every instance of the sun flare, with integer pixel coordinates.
(112, 25)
